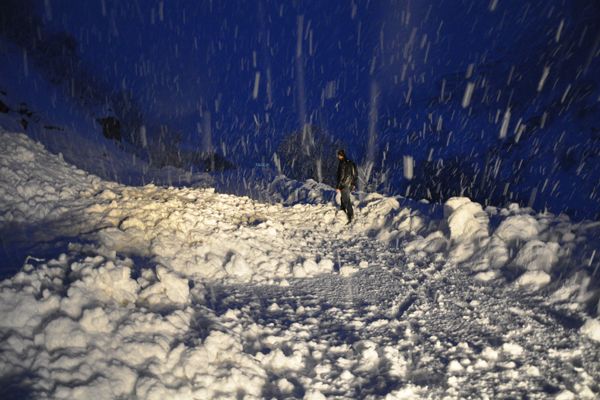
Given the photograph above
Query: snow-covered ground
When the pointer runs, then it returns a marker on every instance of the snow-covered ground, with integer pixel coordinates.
(161, 292)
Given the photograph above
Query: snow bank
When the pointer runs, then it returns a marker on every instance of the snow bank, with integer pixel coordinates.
(191, 233)
(376, 215)
(69, 320)
(83, 327)
(534, 251)
(127, 311)
(466, 219)
(200, 234)
(34, 184)
(468, 226)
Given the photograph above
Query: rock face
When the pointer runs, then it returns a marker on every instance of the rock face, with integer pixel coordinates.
(111, 127)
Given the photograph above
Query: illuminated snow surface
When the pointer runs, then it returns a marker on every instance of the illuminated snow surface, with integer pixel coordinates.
(166, 293)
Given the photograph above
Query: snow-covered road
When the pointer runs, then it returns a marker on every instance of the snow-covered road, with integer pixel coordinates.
(156, 293)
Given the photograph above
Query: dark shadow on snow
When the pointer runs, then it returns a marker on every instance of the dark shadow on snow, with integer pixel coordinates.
(39, 242)
(15, 387)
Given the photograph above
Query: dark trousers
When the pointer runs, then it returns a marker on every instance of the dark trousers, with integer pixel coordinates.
(347, 203)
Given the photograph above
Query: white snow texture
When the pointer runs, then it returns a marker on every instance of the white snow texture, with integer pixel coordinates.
(182, 293)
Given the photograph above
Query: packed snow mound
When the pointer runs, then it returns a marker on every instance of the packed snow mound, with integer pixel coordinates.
(592, 329)
(518, 227)
(532, 252)
(37, 181)
(200, 234)
(193, 233)
(108, 322)
(466, 219)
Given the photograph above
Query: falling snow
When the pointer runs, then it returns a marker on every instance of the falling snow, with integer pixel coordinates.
(169, 227)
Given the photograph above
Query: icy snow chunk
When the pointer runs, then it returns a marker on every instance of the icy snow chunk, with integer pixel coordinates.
(132, 222)
(512, 349)
(311, 267)
(326, 265)
(107, 194)
(23, 155)
(368, 356)
(536, 255)
(574, 288)
(408, 392)
(433, 243)
(376, 209)
(22, 311)
(347, 376)
(177, 289)
(223, 368)
(481, 364)
(487, 276)
(151, 389)
(276, 361)
(137, 350)
(455, 367)
(238, 267)
(533, 280)
(466, 219)
(565, 395)
(284, 283)
(114, 382)
(397, 363)
(131, 241)
(453, 204)
(285, 386)
(489, 354)
(64, 333)
(96, 321)
(108, 282)
(168, 291)
(494, 255)
(518, 227)
(348, 270)
(314, 394)
(591, 329)
(17, 344)
(299, 271)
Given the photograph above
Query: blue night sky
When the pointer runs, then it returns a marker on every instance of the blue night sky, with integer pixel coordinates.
(183, 58)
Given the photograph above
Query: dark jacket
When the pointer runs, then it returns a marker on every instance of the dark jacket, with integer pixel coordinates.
(346, 174)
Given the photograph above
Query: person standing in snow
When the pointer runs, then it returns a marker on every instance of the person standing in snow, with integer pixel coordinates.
(346, 181)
